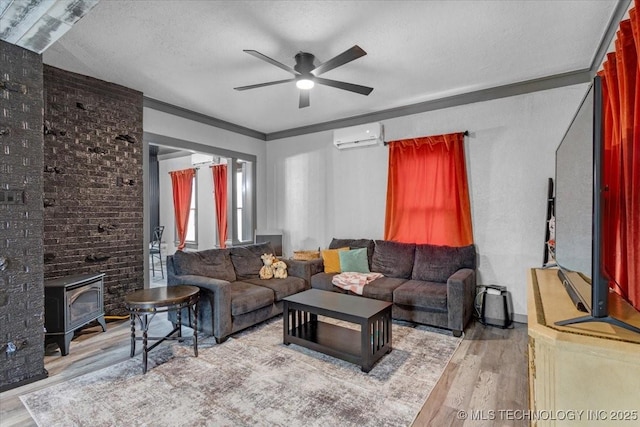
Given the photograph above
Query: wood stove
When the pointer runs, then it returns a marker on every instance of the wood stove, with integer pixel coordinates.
(70, 303)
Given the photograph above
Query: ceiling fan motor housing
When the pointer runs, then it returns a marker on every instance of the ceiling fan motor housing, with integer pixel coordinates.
(304, 63)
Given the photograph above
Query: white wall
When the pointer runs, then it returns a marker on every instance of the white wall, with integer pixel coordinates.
(316, 192)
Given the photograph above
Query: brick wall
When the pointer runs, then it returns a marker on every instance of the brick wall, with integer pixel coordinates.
(21, 162)
(93, 193)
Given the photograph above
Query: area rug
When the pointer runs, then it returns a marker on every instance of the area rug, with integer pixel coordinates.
(252, 380)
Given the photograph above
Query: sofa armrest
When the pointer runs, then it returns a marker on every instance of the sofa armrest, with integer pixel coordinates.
(304, 268)
(213, 292)
(298, 268)
(460, 295)
(214, 285)
(317, 266)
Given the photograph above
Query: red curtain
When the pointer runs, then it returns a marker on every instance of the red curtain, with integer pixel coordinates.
(220, 195)
(182, 182)
(427, 192)
(621, 98)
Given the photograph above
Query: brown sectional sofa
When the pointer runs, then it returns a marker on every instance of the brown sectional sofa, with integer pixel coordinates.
(232, 295)
(428, 284)
(433, 285)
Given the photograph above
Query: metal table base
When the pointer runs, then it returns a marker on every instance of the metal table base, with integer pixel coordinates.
(145, 304)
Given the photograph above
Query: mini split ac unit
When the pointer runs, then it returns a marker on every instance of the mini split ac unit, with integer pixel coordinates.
(358, 136)
(200, 159)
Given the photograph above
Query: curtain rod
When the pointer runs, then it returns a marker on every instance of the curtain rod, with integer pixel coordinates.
(196, 168)
(465, 133)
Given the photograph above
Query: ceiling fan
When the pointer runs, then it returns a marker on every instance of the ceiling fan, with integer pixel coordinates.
(306, 73)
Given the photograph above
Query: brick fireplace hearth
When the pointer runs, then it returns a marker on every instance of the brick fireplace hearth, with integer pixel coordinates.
(93, 189)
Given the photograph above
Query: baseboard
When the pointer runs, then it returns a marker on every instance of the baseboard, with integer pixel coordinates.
(33, 379)
(520, 318)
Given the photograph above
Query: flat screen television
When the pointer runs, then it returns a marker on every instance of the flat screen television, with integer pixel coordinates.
(578, 205)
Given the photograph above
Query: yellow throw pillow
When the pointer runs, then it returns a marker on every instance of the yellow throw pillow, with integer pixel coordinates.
(331, 259)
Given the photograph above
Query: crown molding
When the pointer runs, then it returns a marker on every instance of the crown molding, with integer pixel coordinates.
(200, 118)
(514, 89)
(182, 144)
(535, 85)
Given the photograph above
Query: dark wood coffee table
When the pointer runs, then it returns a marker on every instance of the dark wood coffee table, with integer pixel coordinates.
(363, 347)
(146, 303)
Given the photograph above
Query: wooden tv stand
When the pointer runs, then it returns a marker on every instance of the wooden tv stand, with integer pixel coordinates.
(589, 367)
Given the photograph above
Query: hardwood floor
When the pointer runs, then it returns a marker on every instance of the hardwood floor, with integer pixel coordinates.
(486, 382)
(90, 350)
(488, 372)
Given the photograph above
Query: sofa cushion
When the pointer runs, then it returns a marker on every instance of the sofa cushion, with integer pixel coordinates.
(437, 263)
(354, 261)
(281, 287)
(382, 288)
(331, 260)
(354, 244)
(215, 263)
(247, 297)
(260, 248)
(323, 282)
(246, 259)
(393, 259)
(416, 293)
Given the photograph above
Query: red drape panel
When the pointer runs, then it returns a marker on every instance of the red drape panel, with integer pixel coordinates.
(613, 241)
(621, 97)
(220, 195)
(182, 182)
(632, 177)
(427, 192)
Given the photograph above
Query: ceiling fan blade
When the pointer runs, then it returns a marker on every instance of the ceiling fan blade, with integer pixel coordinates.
(362, 90)
(271, 61)
(277, 82)
(347, 56)
(304, 99)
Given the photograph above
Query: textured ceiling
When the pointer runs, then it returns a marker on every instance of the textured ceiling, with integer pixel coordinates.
(190, 53)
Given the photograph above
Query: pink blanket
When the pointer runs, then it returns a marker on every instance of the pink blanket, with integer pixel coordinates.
(354, 282)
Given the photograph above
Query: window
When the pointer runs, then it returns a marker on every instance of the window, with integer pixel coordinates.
(427, 192)
(192, 226)
(239, 197)
(243, 226)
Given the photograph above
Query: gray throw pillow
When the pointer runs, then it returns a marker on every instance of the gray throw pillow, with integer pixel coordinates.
(393, 259)
(215, 263)
(246, 259)
(437, 263)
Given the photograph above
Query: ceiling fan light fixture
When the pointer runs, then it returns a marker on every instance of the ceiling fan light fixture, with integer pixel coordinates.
(305, 83)
(306, 73)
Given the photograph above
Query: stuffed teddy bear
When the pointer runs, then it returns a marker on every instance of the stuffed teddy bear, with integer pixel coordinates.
(266, 272)
(280, 270)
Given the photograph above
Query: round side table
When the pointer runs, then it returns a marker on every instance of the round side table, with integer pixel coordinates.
(146, 303)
